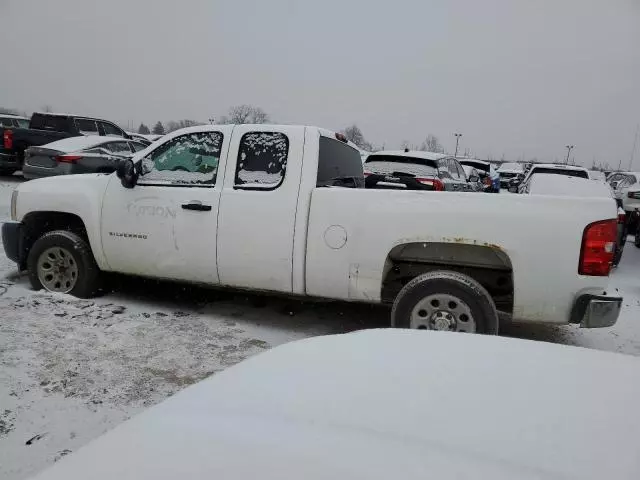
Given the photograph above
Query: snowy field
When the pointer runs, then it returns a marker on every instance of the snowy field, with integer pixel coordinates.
(72, 369)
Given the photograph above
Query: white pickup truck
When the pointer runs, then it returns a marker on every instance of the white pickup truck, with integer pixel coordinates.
(283, 209)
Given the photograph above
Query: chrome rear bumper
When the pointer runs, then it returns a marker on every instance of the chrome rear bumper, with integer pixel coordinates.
(596, 311)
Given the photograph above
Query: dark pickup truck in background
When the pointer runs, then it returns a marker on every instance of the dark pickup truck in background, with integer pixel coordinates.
(46, 128)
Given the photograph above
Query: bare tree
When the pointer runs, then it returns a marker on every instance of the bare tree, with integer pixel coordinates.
(172, 125)
(242, 114)
(432, 144)
(354, 135)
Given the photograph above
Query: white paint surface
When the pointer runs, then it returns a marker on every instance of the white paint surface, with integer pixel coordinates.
(380, 403)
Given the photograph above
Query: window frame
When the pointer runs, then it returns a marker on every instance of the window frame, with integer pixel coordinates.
(103, 132)
(110, 144)
(253, 187)
(82, 119)
(182, 185)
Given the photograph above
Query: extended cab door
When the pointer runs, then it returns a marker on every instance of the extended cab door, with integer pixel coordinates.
(166, 225)
(258, 207)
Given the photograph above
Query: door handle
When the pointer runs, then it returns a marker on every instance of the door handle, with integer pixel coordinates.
(196, 205)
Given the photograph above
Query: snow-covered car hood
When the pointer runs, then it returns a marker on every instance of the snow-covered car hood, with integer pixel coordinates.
(387, 404)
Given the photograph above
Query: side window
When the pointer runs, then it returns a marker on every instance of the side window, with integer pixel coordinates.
(137, 146)
(262, 160)
(453, 169)
(461, 174)
(190, 159)
(443, 169)
(119, 148)
(6, 122)
(86, 127)
(111, 130)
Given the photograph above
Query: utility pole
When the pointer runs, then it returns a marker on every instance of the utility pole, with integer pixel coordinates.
(457, 135)
(633, 150)
(212, 121)
(569, 148)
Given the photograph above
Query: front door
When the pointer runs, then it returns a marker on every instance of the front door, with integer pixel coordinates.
(166, 226)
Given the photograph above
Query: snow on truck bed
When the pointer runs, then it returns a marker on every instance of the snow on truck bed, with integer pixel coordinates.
(386, 404)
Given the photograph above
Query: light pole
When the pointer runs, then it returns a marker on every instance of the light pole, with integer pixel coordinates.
(569, 148)
(457, 135)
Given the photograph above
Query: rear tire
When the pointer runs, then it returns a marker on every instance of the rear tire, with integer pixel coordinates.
(62, 262)
(445, 300)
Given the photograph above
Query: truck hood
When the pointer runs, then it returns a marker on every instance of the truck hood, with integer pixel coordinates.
(375, 403)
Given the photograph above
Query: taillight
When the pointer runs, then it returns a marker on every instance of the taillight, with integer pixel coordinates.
(366, 174)
(7, 139)
(598, 248)
(68, 158)
(434, 182)
(621, 217)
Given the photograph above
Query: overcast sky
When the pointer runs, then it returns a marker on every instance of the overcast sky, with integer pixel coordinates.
(516, 77)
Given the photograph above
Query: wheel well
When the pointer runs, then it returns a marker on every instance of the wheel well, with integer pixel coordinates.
(38, 223)
(487, 264)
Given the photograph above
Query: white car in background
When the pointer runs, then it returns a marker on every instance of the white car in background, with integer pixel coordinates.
(626, 188)
(508, 171)
(385, 404)
(553, 169)
(597, 175)
(561, 185)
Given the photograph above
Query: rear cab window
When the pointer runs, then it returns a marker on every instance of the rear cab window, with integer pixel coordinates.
(55, 123)
(339, 164)
(561, 171)
(388, 164)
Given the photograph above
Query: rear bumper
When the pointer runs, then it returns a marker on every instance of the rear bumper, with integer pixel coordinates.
(9, 161)
(596, 311)
(13, 242)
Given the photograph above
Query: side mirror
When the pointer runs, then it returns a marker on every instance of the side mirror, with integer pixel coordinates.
(474, 178)
(127, 174)
(513, 189)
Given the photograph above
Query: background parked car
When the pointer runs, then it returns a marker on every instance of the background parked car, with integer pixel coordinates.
(508, 171)
(8, 120)
(550, 184)
(85, 154)
(474, 178)
(45, 128)
(597, 175)
(416, 170)
(488, 174)
(552, 169)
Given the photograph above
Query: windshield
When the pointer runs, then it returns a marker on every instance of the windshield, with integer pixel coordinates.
(386, 164)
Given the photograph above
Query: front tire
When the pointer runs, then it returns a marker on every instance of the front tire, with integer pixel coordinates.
(62, 262)
(445, 300)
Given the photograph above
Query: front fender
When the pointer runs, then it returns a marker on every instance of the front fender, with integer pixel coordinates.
(80, 195)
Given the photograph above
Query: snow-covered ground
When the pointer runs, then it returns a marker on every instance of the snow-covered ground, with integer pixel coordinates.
(72, 369)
